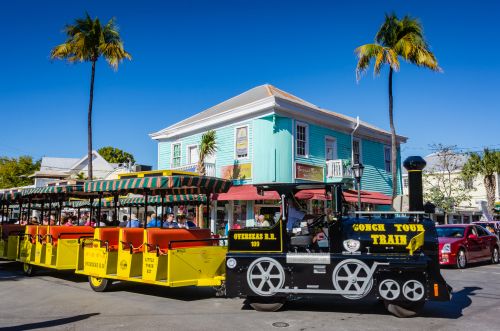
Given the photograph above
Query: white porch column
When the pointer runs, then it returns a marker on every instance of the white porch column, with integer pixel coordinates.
(213, 216)
(250, 214)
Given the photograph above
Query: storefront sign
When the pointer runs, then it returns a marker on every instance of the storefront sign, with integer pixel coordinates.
(309, 172)
(242, 142)
(237, 171)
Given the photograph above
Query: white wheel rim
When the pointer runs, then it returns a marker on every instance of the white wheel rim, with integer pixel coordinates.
(265, 275)
(495, 255)
(461, 258)
(352, 276)
(413, 290)
(389, 289)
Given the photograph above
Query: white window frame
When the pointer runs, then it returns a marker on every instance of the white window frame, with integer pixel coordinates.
(360, 149)
(306, 147)
(188, 154)
(236, 157)
(172, 154)
(390, 157)
(335, 151)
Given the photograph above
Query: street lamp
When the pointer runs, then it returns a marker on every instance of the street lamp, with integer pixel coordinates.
(357, 170)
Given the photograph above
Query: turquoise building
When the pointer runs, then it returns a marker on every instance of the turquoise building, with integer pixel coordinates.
(267, 135)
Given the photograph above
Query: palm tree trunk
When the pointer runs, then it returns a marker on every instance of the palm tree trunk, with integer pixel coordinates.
(394, 154)
(490, 186)
(89, 123)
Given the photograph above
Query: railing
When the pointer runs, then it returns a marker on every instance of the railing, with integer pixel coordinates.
(209, 168)
(338, 169)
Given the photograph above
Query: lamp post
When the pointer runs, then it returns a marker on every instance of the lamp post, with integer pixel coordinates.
(357, 170)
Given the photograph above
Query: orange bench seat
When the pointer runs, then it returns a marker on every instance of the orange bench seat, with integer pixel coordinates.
(7, 229)
(133, 238)
(109, 236)
(161, 238)
(57, 232)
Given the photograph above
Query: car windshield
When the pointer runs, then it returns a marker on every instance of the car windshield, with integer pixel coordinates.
(451, 232)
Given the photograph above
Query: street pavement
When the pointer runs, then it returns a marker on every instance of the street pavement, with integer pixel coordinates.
(64, 301)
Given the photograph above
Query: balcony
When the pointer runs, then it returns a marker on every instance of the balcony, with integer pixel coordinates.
(209, 167)
(338, 171)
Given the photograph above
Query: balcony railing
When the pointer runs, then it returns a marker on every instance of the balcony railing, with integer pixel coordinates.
(338, 169)
(209, 168)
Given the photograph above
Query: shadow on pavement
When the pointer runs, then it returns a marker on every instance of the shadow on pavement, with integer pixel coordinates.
(51, 323)
(189, 293)
(452, 309)
(12, 271)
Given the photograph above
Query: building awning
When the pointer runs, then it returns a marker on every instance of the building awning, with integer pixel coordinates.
(244, 193)
(375, 198)
(249, 192)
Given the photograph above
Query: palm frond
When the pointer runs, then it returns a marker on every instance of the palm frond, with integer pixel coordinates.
(365, 54)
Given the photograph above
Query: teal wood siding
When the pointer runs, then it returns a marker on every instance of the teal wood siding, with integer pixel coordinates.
(273, 150)
(375, 178)
(317, 135)
(164, 149)
(226, 154)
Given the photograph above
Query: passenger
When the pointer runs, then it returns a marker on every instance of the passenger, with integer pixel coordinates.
(66, 221)
(154, 223)
(190, 221)
(52, 220)
(170, 222)
(124, 222)
(262, 222)
(133, 222)
(34, 220)
(181, 220)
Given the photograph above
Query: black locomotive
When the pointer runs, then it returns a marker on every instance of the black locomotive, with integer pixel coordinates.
(392, 258)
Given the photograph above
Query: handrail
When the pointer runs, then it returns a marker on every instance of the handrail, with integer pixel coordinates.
(193, 240)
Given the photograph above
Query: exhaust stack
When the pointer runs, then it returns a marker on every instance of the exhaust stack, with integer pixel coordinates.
(415, 165)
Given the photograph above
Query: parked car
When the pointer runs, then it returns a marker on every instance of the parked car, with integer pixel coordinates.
(460, 244)
(493, 227)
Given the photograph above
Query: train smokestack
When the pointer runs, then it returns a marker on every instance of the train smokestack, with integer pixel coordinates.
(415, 165)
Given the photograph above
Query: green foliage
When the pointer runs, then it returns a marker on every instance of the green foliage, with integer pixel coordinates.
(208, 146)
(87, 40)
(443, 184)
(485, 165)
(396, 38)
(115, 155)
(14, 172)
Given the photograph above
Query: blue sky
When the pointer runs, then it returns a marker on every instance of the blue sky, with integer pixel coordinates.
(190, 55)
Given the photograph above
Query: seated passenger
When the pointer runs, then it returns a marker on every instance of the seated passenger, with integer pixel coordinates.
(133, 222)
(262, 222)
(170, 222)
(181, 221)
(124, 222)
(154, 223)
(66, 221)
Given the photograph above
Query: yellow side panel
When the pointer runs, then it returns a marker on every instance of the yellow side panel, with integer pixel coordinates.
(154, 268)
(202, 266)
(40, 250)
(27, 252)
(66, 254)
(13, 245)
(2, 248)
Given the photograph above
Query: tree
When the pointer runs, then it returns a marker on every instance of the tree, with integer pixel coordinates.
(208, 146)
(486, 165)
(396, 38)
(115, 155)
(443, 183)
(14, 172)
(88, 40)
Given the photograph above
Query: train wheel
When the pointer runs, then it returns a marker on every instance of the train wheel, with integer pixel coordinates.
(99, 284)
(28, 269)
(265, 276)
(404, 309)
(268, 305)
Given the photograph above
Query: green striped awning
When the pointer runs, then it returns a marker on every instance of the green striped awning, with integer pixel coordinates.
(10, 195)
(156, 200)
(49, 190)
(171, 185)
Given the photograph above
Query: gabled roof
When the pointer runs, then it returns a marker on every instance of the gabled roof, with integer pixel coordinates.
(256, 101)
(59, 164)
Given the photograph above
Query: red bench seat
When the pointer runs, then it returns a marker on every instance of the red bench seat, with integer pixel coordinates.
(133, 237)
(161, 238)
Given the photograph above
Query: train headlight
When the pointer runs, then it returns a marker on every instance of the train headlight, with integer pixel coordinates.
(351, 245)
(446, 248)
(231, 263)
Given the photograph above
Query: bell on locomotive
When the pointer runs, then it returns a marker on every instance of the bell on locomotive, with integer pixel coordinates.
(391, 256)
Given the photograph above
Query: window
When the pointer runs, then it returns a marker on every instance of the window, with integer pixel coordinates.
(356, 151)
(387, 158)
(176, 155)
(192, 154)
(330, 149)
(241, 142)
(468, 184)
(482, 232)
(301, 141)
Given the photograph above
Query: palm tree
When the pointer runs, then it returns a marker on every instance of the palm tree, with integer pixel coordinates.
(486, 165)
(396, 38)
(88, 40)
(208, 146)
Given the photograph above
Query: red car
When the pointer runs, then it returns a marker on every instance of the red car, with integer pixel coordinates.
(460, 244)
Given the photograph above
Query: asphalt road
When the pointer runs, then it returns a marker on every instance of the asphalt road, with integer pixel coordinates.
(63, 301)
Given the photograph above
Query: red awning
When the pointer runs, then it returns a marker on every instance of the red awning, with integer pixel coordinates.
(249, 192)
(245, 192)
(349, 195)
